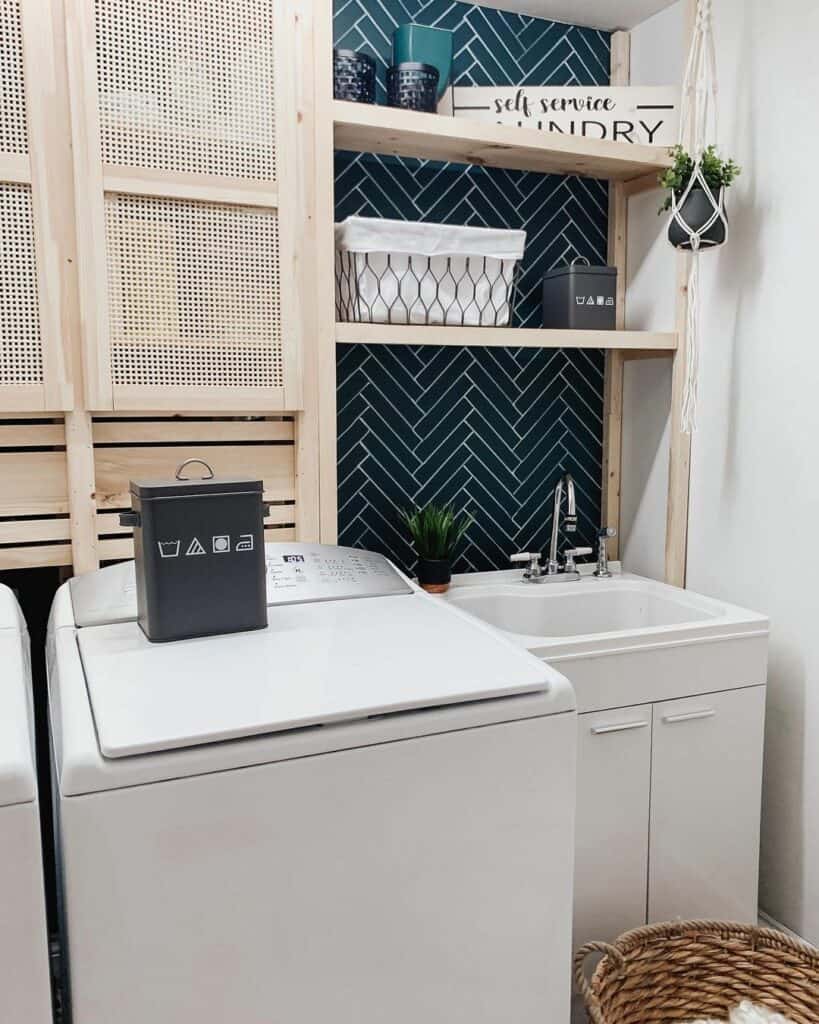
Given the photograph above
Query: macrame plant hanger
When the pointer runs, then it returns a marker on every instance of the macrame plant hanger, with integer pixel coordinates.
(698, 121)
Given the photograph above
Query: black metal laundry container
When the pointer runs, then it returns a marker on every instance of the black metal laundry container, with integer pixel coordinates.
(199, 555)
(580, 298)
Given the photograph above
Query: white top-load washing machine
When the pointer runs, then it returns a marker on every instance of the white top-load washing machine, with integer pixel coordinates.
(25, 994)
(363, 813)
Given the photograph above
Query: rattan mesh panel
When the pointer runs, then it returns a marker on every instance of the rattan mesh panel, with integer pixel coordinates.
(13, 130)
(193, 293)
(21, 351)
(187, 86)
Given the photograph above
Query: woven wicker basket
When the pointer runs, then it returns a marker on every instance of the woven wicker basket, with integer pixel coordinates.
(688, 970)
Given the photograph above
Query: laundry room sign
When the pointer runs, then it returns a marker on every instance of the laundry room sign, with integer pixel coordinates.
(636, 114)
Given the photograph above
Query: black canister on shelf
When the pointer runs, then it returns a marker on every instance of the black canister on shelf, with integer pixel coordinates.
(353, 76)
(413, 86)
(580, 298)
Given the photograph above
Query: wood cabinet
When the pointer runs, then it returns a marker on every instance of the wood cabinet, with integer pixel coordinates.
(668, 812)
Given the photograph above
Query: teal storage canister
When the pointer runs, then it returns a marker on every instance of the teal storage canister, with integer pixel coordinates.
(425, 45)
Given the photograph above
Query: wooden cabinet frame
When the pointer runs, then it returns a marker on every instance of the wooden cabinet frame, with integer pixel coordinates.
(630, 172)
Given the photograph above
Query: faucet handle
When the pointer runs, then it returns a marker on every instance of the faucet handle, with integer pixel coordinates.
(570, 554)
(532, 560)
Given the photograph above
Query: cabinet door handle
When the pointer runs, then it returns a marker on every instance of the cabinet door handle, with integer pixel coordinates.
(689, 716)
(599, 730)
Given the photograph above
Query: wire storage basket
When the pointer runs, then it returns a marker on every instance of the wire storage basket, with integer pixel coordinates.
(397, 272)
(693, 970)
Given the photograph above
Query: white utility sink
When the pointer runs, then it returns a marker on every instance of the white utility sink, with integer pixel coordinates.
(663, 640)
(582, 608)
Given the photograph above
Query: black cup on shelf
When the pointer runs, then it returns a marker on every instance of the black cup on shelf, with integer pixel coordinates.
(353, 76)
(413, 86)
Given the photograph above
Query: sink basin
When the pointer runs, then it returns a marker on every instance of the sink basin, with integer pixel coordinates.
(580, 609)
(624, 640)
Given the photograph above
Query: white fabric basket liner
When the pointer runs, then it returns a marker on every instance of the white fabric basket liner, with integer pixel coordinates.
(404, 272)
(371, 234)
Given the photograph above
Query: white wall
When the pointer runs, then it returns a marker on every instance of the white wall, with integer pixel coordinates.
(755, 471)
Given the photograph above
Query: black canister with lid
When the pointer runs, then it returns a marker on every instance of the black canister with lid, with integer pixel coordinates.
(580, 298)
(199, 555)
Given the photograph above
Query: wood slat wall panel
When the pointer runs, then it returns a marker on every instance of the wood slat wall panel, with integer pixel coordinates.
(116, 467)
(33, 483)
(36, 556)
(32, 435)
(28, 531)
(34, 530)
(214, 431)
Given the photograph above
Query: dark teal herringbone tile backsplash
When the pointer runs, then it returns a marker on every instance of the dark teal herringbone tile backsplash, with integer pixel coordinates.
(490, 430)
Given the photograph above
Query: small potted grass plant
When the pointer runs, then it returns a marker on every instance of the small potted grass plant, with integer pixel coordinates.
(436, 531)
(698, 208)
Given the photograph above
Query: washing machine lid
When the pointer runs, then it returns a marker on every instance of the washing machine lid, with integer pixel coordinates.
(315, 664)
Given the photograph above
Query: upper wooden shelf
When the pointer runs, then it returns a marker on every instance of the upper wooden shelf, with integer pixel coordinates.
(503, 337)
(365, 128)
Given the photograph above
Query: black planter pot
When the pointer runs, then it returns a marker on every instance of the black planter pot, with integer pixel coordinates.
(413, 86)
(696, 211)
(353, 76)
(434, 575)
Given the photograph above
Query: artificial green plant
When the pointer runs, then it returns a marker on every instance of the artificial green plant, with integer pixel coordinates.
(436, 530)
(718, 173)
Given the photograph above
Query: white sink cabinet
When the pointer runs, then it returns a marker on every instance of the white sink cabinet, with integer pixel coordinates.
(670, 689)
(668, 803)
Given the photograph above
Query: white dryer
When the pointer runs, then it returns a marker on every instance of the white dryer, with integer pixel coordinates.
(363, 813)
(25, 994)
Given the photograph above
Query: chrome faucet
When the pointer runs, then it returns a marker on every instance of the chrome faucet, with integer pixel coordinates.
(569, 522)
(534, 572)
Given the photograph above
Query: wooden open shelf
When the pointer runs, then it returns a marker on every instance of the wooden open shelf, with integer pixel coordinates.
(365, 128)
(502, 337)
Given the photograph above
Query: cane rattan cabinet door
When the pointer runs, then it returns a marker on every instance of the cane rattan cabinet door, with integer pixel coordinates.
(181, 118)
(35, 213)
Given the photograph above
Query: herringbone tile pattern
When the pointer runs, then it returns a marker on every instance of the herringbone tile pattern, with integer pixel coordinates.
(487, 429)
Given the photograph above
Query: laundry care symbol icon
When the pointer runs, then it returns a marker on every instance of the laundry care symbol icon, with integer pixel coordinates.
(221, 544)
(195, 548)
(245, 542)
(168, 548)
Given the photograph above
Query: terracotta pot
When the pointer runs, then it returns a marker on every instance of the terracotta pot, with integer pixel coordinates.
(434, 575)
(696, 211)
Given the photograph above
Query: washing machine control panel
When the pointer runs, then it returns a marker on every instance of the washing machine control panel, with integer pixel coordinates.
(319, 572)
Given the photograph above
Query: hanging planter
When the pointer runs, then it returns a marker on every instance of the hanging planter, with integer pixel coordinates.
(696, 198)
(696, 184)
